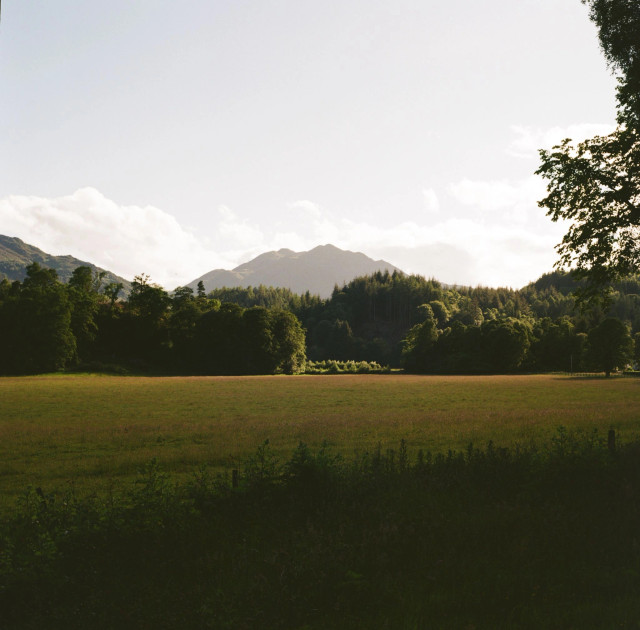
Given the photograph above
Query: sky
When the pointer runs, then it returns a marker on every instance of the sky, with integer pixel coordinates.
(175, 138)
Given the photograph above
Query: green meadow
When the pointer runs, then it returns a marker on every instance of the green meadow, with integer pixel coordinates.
(128, 525)
(95, 432)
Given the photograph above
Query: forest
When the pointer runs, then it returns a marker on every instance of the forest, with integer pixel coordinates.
(422, 325)
(51, 326)
(396, 320)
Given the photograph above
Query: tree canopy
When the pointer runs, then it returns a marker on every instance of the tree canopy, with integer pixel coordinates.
(595, 184)
(610, 345)
(391, 319)
(48, 326)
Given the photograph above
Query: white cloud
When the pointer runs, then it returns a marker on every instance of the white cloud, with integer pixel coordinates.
(306, 207)
(529, 140)
(431, 201)
(453, 250)
(234, 233)
(518, 200)
(492, 248)
(514, 241)
(127, 240)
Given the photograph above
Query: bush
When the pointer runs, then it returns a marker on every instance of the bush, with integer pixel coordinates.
(534, 537)
(345, 367)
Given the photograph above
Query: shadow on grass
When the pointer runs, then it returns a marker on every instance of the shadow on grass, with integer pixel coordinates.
(536, 537)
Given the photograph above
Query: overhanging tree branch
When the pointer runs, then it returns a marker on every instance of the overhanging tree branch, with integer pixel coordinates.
(595, 184)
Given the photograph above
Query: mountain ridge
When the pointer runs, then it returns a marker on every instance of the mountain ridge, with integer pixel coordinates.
(317, 270)
(16, 255)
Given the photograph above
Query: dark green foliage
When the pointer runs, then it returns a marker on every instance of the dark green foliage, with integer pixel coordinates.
(35, 318)
(378, 318)
(186, 310)
(618, 23)
(535, 329)
(218, 336)
(556, 346)
(386, 319)
(338, 342)
(267, 297)
(352, 325)
(494, 538)
(233, 340)
(595, 184)
(440, 312)
(141, 324)
(213, 338)
(84, 294)
(508, 345)
(49, 326)
(184, 326)
(505, 344)
(112, 291)
(419, 344)
(288, 342)
(344, 367)
(196, 334)
(458, 349)
(497, 346)
(367, 319)
(610, 346)
(149, 302)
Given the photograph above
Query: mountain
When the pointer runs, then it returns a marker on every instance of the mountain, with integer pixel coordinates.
(316, 271)
(16, 255)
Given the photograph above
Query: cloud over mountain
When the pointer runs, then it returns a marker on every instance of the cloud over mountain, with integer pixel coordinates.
(127, 239)
(499, 223)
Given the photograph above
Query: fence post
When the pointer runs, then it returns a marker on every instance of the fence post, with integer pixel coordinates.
(611, 441)
(234, 478)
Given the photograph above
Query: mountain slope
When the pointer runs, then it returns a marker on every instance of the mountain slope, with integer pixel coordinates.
(16, 255)
(316, 271)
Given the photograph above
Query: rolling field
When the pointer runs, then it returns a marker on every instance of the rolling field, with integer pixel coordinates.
(97, 431)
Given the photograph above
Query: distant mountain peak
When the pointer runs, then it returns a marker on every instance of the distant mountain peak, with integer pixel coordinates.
(318, 270)
(328, 247)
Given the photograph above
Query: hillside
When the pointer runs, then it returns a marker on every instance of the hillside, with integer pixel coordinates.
(316, 271)
(16, 255)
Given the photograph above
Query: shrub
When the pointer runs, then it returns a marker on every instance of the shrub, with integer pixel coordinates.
(331, 366)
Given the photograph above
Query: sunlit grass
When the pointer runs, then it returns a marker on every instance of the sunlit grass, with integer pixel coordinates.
(94, 431)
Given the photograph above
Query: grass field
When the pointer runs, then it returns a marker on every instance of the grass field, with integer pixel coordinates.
(94, 431)
(523, 538)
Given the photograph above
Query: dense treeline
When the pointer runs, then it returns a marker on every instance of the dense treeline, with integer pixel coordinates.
(510, 345)
(418, 323)
(267, 297)
(49, 326)
(365, 320)
(387, 319)
(535, 329)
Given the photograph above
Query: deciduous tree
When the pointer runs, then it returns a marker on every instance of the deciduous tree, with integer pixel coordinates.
(595, 184)
(610, 345)
(36, 324)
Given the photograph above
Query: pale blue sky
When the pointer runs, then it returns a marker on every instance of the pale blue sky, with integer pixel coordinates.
(172, 138)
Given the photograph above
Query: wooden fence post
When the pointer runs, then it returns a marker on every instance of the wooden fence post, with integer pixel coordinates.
(234, 478)
(611, 441)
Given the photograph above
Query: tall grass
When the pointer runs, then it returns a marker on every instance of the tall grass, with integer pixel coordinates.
(521, 537)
